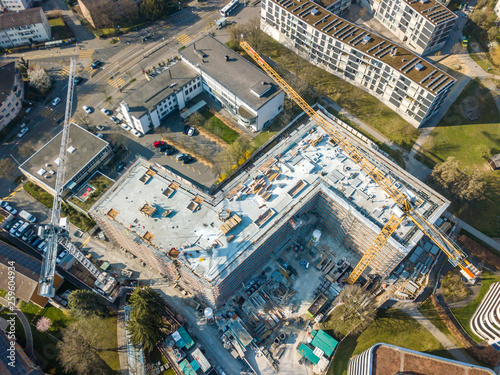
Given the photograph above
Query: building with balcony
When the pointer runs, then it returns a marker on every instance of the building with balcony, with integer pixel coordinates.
(402, 80)
(24, 27)
(423, 25)
(15, 5)
(11, 93)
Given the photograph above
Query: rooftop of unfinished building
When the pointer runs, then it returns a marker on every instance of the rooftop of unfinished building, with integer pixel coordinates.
(389, 360)
(213, 234)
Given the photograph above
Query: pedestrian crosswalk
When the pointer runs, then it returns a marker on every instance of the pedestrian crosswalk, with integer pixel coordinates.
(86, 54)
(63, 72)
(88, 68)
(167, 26)
(51, 114)
(118, 82)
(184, 39)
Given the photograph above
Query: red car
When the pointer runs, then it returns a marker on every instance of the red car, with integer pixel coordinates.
(158, 144)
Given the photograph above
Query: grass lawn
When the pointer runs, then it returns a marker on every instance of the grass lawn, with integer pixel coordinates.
(110, 356)
(356, 101)
(467, 141)
(75, 217)
(101, 183)
(464, 314)
(59, 29)
(427, 309)
(215, 126)
(58, 317)
(391, 327)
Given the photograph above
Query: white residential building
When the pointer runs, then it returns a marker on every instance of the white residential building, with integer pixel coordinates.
(11, 93)
(24, 27)
(486, 320)
(14, 5)
(402, 80)
(423, 25)
(245, 91)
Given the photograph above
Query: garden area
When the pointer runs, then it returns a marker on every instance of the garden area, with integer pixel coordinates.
(75, 217)
(471, 143)
(60, 30)
(464, 314)
(98, 184)
(391, 327)
(453, 287)
(215, 126)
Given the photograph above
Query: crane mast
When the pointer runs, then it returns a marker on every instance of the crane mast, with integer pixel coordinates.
(49, 262)
(405, 207)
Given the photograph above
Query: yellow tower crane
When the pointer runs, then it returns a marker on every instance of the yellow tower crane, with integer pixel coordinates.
(404, 207)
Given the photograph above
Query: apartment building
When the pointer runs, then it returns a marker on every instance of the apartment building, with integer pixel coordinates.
(402, 80)
(423, 25)
(86, 153)
(211, 243)
(485, 322)
(248, 94)
(11, 93)
(382, 359)
(15, 5)
(24, 27)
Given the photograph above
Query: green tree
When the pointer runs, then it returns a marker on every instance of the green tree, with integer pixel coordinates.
(84, 303)
(147, 325)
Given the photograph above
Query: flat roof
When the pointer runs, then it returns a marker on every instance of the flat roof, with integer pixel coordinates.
(236, 73)
(86, 147)
(145, 97)
(432, 10)
(378, 47)
(212, 235)
(390, 360)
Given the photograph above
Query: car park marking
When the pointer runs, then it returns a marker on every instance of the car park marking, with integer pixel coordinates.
(88, 68)
(167, 26)
(86, 54)
(184, 39)
(13, 193)
(64, 72)
(85, 242)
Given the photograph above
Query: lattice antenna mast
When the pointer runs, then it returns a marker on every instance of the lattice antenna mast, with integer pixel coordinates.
(49, 262)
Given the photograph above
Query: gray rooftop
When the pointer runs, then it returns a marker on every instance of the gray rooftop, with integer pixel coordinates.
(144, 98)
(86, 144)
(196, 227)
(20, 18)
(235, 73)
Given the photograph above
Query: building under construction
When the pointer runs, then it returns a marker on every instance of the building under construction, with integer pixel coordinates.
(212, 243)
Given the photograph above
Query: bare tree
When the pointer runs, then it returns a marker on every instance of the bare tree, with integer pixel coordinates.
(39, 79)
(196, 120)
(116, 139)
(84, 120)
(355, 310)
(463, 184)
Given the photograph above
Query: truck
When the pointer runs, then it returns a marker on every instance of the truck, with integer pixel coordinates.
(27, 216)
(220, 23)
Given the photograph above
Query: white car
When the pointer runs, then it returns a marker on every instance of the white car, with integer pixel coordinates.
(87, 109)
(61, 255)
(23, 132)
(125, 127)
(107, 112)
(190, 132)
(11, 209)
(136, 133)
(56, 101)
(15, 226)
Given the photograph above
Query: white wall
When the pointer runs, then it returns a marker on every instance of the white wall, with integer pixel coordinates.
(270, 110)
(14, 5)
(39, 32)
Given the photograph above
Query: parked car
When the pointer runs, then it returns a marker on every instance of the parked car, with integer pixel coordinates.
(23, 132)
(14, 228)
(186, 129)
(164, 148)
(23, 228)
(136, 133)
(11, 209)
(87, 109)
(187, 159)
(125, 127)
(107, 112)
(114, 119)
(4, 203)
(61, 255)
(169, 151)
(99, 135)
(100, 127)
(77, 80)
(36, 242)
(28, 234)
(56, 101)
(190, 131)
(181, 156)
(96, 64)
(159, 144)
(120, 167)
(41, 245)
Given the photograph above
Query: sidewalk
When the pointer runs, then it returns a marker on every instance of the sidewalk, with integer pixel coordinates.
(122, 337)
(483, 237)
(411, 310)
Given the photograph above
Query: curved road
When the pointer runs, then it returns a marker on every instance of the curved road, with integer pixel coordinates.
(26, 325)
